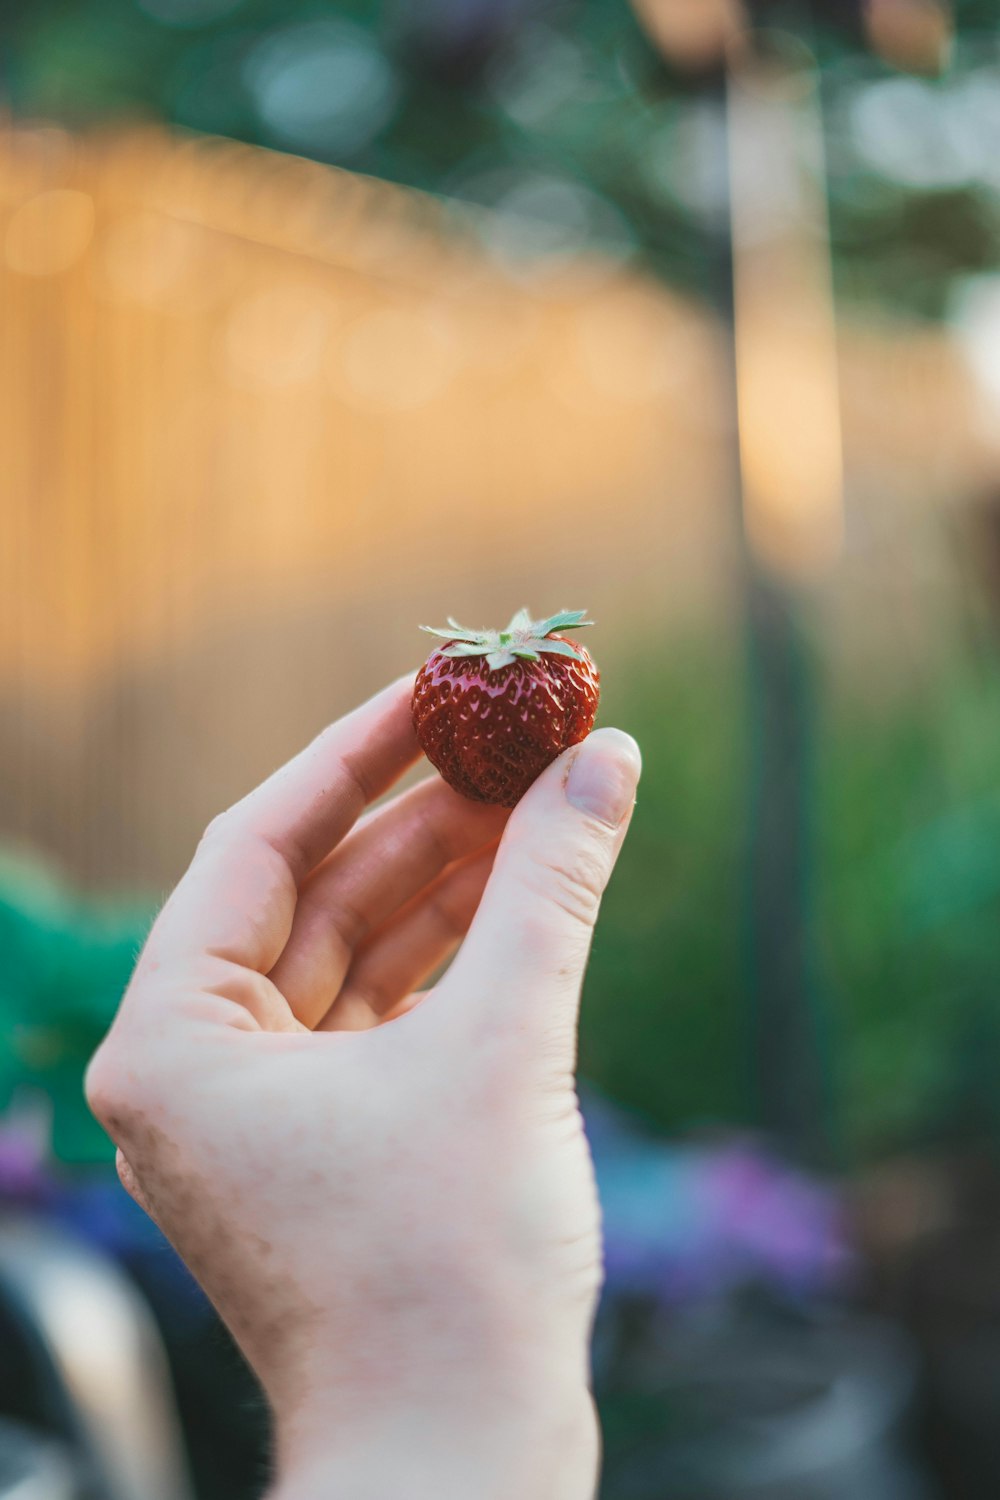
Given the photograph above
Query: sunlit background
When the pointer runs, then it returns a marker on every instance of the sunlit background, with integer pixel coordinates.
(321, 320)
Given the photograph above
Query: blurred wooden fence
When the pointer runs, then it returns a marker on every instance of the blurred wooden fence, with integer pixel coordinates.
(258, 417)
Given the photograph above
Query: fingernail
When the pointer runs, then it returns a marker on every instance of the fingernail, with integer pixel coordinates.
(603, 777)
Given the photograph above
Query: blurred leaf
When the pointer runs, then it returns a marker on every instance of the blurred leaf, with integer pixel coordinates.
(66, 963)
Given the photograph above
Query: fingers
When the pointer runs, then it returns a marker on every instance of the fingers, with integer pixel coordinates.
(527, 948)
(386, 861)
(391, 965)
(237, 899)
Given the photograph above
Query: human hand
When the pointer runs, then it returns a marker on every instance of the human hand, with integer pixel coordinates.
(386, 1194)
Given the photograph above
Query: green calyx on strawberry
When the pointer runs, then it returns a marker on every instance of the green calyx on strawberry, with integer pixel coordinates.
(524, 639)
(493, 708)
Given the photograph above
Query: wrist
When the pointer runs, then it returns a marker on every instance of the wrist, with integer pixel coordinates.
(482, 1442)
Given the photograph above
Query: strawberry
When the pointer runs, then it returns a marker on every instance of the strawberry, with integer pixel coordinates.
(493, 708)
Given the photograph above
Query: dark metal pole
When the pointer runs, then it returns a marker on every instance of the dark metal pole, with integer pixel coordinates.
(786, 1045)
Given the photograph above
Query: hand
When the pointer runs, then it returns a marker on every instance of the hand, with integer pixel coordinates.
(387, 1194)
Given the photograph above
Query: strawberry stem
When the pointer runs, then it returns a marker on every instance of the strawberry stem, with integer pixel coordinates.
(524, 638)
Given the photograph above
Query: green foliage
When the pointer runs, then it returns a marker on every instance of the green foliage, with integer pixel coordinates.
(909, 863)
(65, 964)
(906, 877)
(663, 1015)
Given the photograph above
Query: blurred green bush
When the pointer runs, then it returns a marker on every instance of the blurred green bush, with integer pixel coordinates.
(905, 856)
(662, 1014)
(66, 960)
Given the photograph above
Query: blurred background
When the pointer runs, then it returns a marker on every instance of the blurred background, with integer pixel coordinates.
(318, 320)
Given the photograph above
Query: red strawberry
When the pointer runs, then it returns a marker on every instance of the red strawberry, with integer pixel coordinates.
(493, 708)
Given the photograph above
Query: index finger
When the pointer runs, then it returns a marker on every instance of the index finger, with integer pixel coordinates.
(237, 899)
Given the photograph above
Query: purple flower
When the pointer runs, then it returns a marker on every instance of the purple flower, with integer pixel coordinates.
(693, 1220)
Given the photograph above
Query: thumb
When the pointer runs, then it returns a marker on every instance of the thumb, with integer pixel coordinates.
(531, 935)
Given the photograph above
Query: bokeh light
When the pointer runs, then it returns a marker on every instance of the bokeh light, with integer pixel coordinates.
(278, 337)
(322, 87)
(396, 359)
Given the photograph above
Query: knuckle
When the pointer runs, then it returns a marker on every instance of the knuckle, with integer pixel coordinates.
(434, 838)
(371, 992)
(357, 777)
(349, 924)
(571, 879)
(448, 917)
(218, 828)
(108, 1091)
(124, 1087)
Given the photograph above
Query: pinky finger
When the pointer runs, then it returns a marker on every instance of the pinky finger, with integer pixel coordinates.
(389, 967)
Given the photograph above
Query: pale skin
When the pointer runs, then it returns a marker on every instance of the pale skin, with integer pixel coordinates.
(385, 1190)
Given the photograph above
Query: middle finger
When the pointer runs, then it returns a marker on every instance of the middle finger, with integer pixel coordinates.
(388, 859)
